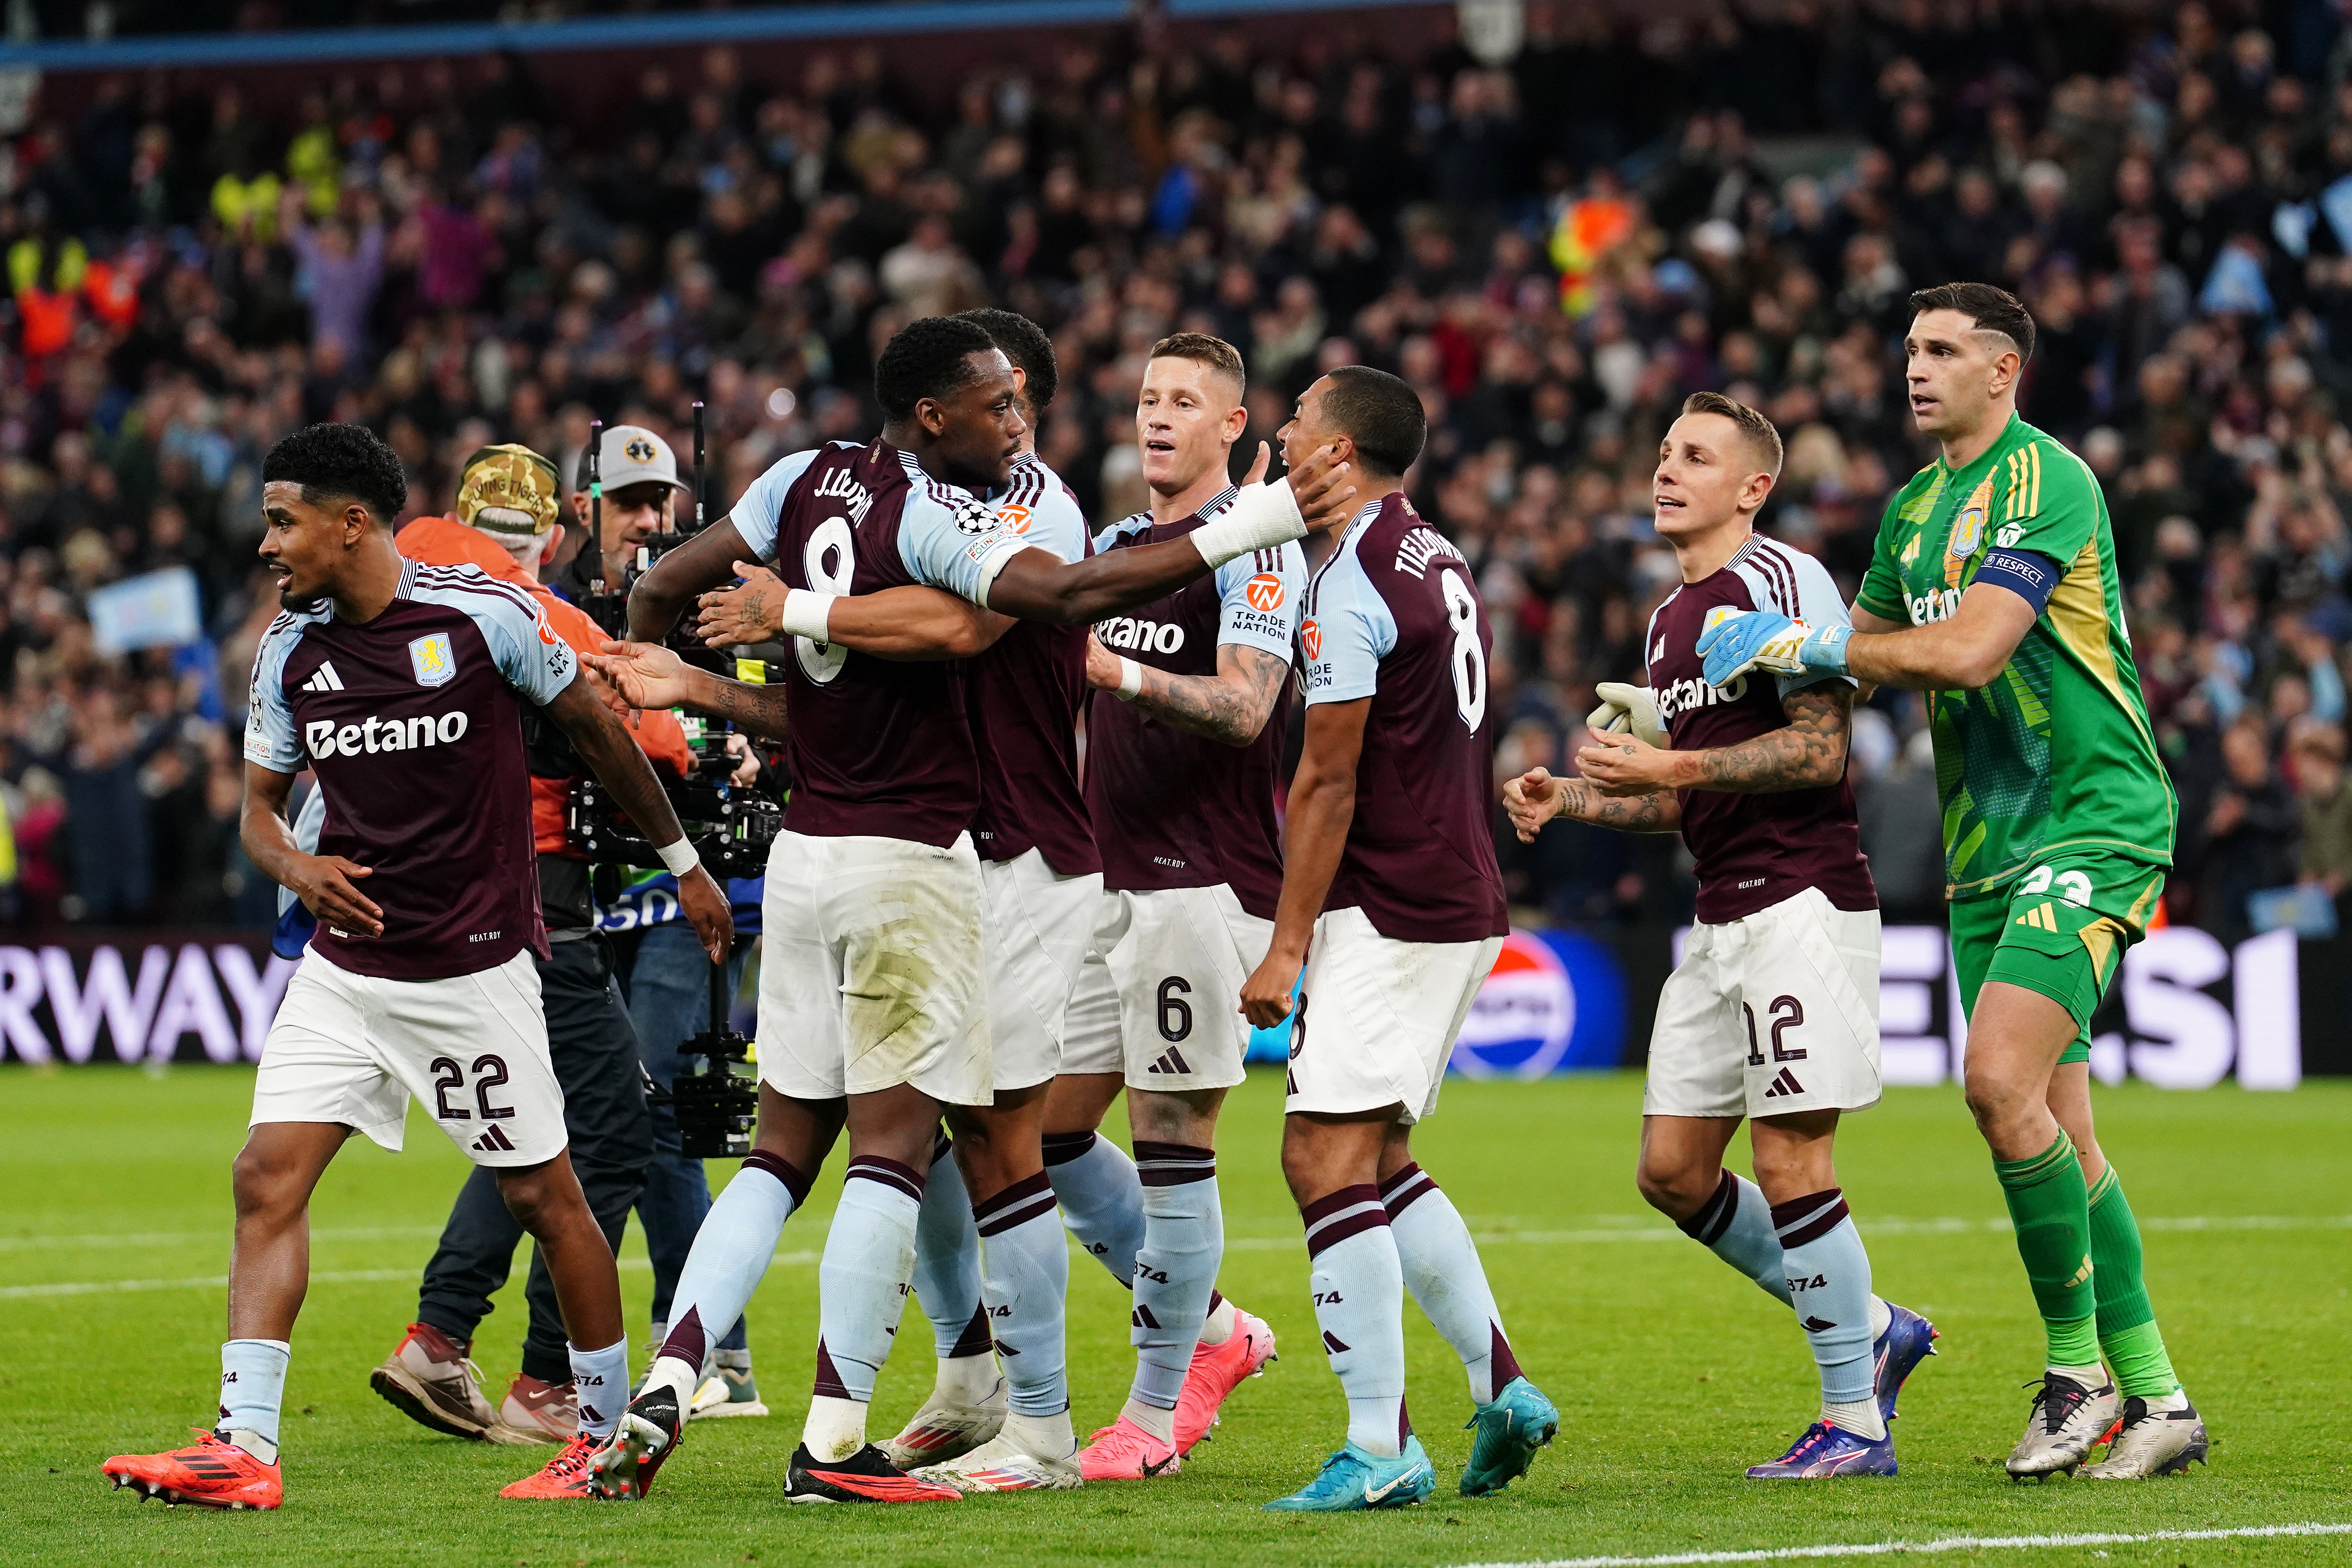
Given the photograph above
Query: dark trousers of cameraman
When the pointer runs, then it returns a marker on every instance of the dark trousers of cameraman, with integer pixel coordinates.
(669, 979)
(595, 1050)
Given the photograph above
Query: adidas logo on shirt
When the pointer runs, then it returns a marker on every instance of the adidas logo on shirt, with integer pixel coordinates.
(326, 679)
(1786, 1083)
(493, 1141)
(1171, 1061)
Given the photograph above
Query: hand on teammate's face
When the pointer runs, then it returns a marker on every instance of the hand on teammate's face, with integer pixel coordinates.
(751, 612)
(1321, 487)
(1625, 765)
(643, 675)
(324, 886)
(1529, 801)
(1256, 474)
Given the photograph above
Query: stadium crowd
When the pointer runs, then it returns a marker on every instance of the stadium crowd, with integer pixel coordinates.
(1555, 251)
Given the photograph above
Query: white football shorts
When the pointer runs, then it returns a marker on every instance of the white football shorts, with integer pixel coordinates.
(1038, 926)
(1377, 1017)
(870, 970)
(1772, 1013)
(1159, 999)
(352, 1049)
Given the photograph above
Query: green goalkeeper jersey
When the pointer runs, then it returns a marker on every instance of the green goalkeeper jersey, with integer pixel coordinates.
(2056, 754)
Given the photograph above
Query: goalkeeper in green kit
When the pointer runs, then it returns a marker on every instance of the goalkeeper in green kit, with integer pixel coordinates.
(1993, 589)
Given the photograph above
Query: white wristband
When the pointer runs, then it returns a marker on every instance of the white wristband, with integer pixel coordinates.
(1261, 517)
(805, 614)
(680, 856)
(1130, 680)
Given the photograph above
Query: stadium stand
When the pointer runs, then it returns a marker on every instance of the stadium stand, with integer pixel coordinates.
(1554, 250)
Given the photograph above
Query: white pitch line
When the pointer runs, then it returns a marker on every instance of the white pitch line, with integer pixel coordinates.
(1945, 1543)
(1590, 1237)
(205, 1237)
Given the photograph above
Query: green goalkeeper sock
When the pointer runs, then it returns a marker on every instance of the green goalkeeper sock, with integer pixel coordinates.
(2050, 1212)
(2128, 1330)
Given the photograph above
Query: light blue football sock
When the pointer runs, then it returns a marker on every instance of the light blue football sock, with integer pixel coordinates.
(1027, 1277)
(1176, 1269)
(862, 1280)
(1830, 1272)
(729, 1257)
(1448, 1281)
(1102, 1198)
(1358, 1285)
(253, 1391)
(946, 1262)
(1735, 1224)
(600, 1379)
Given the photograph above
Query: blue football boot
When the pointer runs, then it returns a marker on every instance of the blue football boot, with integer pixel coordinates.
(1510, 1427)
(1353, 1480)
(1909, 1338)
(1827, 1451)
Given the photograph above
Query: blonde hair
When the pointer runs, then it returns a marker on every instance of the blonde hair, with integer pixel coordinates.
(1759, 430)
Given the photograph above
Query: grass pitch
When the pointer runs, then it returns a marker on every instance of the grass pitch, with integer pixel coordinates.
(1670, 1372)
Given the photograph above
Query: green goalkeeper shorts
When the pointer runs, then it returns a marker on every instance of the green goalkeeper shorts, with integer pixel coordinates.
(2060, 928)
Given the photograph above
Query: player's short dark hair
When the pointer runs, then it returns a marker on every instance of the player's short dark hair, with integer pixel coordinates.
(1380, 413)
(1024, 342)
(928, 357)
(1202, 349)
(1992, 309)
(1759, 430)
(340, 460)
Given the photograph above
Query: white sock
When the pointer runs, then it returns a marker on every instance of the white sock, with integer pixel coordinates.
(836, 1428)
(1358, 1287)
(1862, 1419)
(253, 1391)
(966, 1380)
(601, 1378)
(729, 1258)
(1218, 1326)
(1160, 1424)
(1046, 1437)
(1880, 1316)
(2094, 1376)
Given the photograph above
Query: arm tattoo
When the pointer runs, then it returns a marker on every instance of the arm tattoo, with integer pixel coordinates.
(1660, 811)
(757, 710)
(1230, 706)
(1809, 752)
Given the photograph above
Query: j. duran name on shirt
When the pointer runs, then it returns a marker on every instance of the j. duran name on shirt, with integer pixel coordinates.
(838, 483)
(326, 739)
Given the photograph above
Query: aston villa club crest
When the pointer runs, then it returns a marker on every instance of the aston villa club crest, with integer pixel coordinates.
(432, 660)
(1968, 532)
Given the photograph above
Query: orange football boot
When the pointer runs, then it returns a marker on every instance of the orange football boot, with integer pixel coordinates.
(215, 1473)
(566, 1476)
(1216, 1371)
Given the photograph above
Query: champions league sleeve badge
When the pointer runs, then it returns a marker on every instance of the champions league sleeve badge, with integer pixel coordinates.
(432, 660)
(973, 515)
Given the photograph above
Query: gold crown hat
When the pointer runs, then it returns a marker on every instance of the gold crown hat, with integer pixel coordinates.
(508, 488)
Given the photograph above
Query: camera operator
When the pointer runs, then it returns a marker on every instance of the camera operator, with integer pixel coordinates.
(505, 520)
(641, 490)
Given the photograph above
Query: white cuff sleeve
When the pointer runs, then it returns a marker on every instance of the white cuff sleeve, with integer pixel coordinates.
(805, 614)
(1262, 517)
(680, 856)
(1130, 680)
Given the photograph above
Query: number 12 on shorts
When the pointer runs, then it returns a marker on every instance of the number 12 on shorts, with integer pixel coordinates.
(1787, 1012)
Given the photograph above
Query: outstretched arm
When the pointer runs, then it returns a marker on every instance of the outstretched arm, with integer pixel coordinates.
(597, 735)
(638, 675)
(1807, 752)
(1038, 586)
(1229, 707)
(1315, 832)
(1961, 654)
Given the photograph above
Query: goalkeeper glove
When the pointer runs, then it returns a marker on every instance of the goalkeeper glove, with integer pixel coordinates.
(1737, 641)
(1627, 710)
